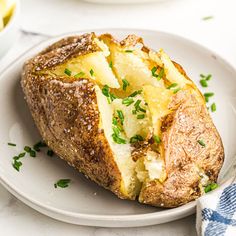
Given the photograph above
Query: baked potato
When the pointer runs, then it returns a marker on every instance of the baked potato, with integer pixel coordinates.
(125, 116)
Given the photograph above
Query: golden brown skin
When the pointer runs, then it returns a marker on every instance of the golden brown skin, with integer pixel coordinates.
(181, 130)
(66, 113)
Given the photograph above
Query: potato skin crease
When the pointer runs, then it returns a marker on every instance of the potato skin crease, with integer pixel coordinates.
(66, 114)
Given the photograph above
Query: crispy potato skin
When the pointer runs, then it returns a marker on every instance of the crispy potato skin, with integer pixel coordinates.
(65, 112)
(181, 130)
(189, 122)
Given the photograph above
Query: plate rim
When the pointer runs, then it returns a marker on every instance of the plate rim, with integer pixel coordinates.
(130, 220)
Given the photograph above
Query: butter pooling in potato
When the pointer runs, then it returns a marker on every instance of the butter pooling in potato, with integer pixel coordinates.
(126, 116)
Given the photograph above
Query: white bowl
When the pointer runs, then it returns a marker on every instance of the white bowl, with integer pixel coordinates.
(9, 34)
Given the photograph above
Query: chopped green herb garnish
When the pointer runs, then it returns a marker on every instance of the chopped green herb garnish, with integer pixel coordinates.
(91, 72)
(136, 138)
(67, 72)
(176, 90)
(38, 145)
(17, 164)
(50, 152)
(172, 86)
(207, 18)
(211, 187)
(32, 153)
(135, 93)
(106, 92)
(125, 84)
(110, 64)
(204, 83)
(121, 116)
(127, 101)
(137, 106)
(140, 116)
(118, 139)
(11, 144)
(208, 77)
(21, 155)
(213, 107)
(161, 73)
(201, 142)
(134, 112)
(153, 70)
(79, 75)
(27, 149)
(157, 139)
(129, 51)
(114, 121)
(208, 95)
(62, 183)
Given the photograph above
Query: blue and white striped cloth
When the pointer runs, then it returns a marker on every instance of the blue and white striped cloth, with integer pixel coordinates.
(216, 213)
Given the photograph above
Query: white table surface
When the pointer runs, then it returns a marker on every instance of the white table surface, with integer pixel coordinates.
(51, 17)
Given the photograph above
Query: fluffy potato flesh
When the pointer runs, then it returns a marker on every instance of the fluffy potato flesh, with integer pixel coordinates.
(143, 100)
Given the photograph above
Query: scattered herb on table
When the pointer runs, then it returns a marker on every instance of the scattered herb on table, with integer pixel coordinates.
(211, 187)
(62, 183)
(207, 18)
(11, 144)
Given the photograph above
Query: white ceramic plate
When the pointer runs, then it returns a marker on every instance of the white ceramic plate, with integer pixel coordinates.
(83, 202)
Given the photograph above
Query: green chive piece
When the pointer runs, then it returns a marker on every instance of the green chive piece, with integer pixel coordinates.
(129, 51)
(137, 106)
(17, 164)
(207, 17)
(211, 187)
(11, 144)
(157, 139)
(62, 183)
(127, 101)
(176, 90)
(38, 145)
(110, 64)
(213, 107)
(50, 152)
(67, 72)
(208, 77)
(27, 149)
(118, 139)
(172, 86)
(135, 93)
(105, 90)
(136, 138)
(32, 153)
(161, 74)
(21, 155)
(201, 142)
(153, 70)
(91, 72)
(204, 83)
(114, 121)
(208, 95)
(121, 116)
(134, 112)
(125, 84)
(141, 116)
(79, 75)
